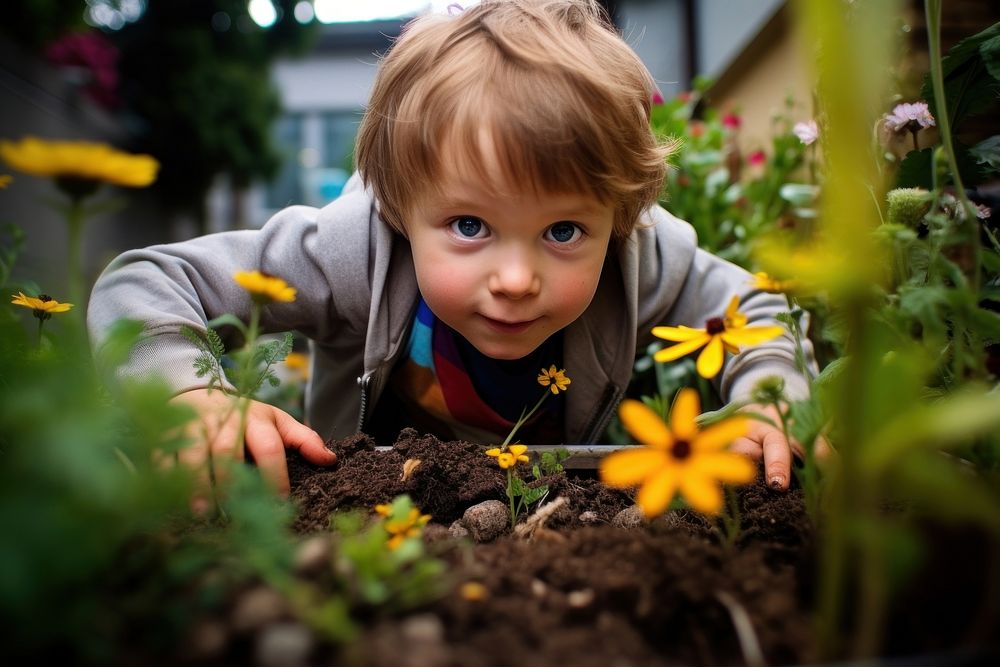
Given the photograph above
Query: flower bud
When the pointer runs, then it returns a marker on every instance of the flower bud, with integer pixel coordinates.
(908, 206)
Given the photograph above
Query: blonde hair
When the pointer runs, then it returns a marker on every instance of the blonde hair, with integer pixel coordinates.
(563, 99)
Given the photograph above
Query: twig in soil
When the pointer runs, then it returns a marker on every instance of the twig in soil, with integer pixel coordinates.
(745, 633)
(537, 520)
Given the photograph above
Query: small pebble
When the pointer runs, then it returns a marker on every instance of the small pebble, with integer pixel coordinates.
(284, 645)
(630, 517)
(487, 520)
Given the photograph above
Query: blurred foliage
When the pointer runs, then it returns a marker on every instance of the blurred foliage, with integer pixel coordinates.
(34, 23)
(971, 73)
(196, 83)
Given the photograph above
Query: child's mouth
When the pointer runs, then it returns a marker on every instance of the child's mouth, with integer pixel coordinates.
(508, 327)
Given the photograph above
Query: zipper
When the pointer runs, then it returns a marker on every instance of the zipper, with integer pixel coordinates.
(364, 382)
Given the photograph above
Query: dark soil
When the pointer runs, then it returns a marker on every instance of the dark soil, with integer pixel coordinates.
(590, 589)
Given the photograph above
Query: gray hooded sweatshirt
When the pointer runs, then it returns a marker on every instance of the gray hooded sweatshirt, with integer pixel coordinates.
(357, 294)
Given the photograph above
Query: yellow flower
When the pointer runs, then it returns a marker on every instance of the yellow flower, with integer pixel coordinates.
(264, 288)
(677, 458)
(403, 529)
(5, 180)
(555, 380)
(79, 160)
(721, 334)
(298, 363)
(510, 456)
(43, 305)
(766, 283)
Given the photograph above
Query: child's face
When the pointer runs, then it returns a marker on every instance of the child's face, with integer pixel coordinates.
(506, 271)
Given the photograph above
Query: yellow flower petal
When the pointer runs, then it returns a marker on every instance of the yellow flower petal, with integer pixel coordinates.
(506, 460)
(710, 360)
(264, 287)
(685, 410)
(677, 334)
(493, 452)
(628, 467)
(751, 335)
(701, 492)
(517, 450)
(555, 380)
(720, 435)
(683, 348)
(728, 467)
(81, 160)
(644, 424)
(732, 310)
(655, 495)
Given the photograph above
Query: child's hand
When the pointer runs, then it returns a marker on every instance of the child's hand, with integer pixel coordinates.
(764, 440)
(269, 431)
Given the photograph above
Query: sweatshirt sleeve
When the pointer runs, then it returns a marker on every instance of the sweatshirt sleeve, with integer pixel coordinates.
(681, 284)
(321, 253)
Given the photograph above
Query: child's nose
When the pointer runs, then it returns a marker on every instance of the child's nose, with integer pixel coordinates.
(515, 278)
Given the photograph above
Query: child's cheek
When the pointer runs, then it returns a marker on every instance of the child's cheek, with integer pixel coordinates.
(573, 293)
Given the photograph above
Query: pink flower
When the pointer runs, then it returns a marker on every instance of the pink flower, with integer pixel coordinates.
(657, 98)
(732, 121)
(806, 131)
(909, 117)
(756, 159)
(93, 55)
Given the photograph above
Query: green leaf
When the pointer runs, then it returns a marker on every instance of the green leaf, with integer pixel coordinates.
(946, 487)
(990, 52)
(799, 194)
(969, 85)
(231, 320)
(948, 422)
(985, 322)
(915, 171)
(987, 152)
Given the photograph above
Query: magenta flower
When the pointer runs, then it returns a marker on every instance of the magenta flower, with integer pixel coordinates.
(806, 131)
(756, 159)
(95, 57)
(732, 121)
(909, 117)
(657, 98)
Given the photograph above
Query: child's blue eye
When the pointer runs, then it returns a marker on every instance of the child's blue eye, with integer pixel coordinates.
(468, 227)
(564, 232)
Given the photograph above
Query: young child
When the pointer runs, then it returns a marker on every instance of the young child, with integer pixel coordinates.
(503, 220)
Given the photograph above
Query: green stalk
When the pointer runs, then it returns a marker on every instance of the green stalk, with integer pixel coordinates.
(244, 398)
(74, 243)
(523, 418)
(510, 496)
(932, 12)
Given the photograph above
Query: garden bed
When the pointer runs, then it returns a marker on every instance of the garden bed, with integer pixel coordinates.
(594, 584)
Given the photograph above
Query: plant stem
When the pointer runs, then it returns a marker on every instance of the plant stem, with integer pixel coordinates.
(510, 496)
(523, 418)
(932, 13)
(244, 397)
(74, 220)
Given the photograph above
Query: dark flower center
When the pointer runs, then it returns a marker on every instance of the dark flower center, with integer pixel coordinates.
(681, 450)
(716, 325)
(44, 297)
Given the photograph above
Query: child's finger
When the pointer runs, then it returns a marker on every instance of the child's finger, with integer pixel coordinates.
(777, 460)
(747, 447)
(308, 442)
(195, 458)
(225, 450)
(265, 445)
